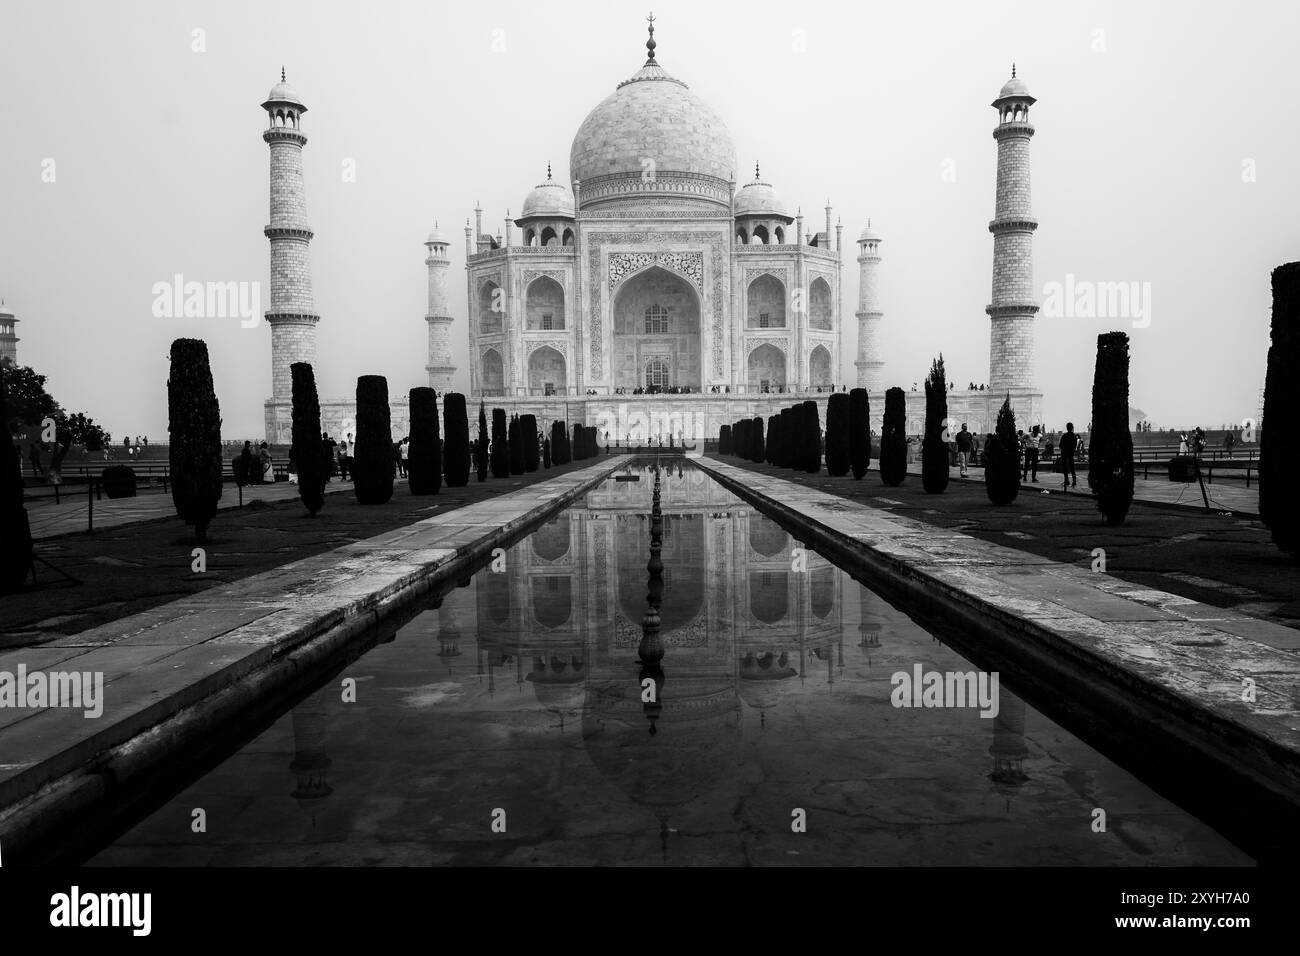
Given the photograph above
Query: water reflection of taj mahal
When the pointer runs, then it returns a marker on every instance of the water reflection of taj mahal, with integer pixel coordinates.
(569, 604)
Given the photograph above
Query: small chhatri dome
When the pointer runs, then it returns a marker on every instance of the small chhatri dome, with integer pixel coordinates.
(282, 92)
(549, 199)
(436, 235)
(1014, 86)
(869, 234)
(5, 310)
(758, 198)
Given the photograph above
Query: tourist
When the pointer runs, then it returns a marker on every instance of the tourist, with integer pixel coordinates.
(245, 475)
(964, 446)
(1182, 444)
(1029, 444)
(1069, 445)
(327, 452)
(343, 460)
(34, 456)
(1229, 440)
(264, 459)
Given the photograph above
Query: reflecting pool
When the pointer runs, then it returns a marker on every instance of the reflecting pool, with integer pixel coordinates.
(571, 704)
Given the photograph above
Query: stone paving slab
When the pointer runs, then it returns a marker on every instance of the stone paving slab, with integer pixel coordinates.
(1231, 495)
(70, 515)
(1193, 657)
(159, 661)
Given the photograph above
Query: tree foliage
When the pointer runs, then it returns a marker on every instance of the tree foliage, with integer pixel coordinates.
(308, 453)
(194, 427)
(893, 439)
(1110, 443)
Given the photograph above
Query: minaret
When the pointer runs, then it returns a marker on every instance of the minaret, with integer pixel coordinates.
(292, 316)
(1011, 339)
(869, 364)
(440, 367)
(8, 337)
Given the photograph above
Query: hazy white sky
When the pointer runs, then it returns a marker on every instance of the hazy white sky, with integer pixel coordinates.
(1151, 117)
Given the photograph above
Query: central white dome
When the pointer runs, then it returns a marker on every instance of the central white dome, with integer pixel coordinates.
(652, 135)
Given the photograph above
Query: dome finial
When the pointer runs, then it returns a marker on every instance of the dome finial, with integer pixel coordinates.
(1013, 71)
(281, 74)
(756, 177)
(650, 43)
(548, 172)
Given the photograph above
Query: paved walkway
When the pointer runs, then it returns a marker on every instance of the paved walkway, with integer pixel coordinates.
(225, 646)
(1232, 495)
(72, 514)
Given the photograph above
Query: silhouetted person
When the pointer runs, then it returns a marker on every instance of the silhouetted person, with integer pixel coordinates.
(246, 464)
(1069, 445)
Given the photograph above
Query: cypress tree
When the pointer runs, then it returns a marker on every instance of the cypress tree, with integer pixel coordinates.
(500, 457)
(787, 429)
(194, 426)
(1110, 444)
(759, 449)
(724, 440)
(838, 450)
(455, 437)
(313, 469)
(893, 439)
(516, 447)
(1279, 454)
(772, 438)
(1002, 459)
(576, 444)
(481, 446)
(528, 431)
(372, 450)
(558, 443)
(424, 457)
(812, 462)
(15, 531)
(934, 447)
(859, 431)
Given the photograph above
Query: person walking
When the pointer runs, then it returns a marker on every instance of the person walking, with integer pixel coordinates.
(1069, 444)
(965, 444)
(343, 460)
(406, 455)
(1229, 441)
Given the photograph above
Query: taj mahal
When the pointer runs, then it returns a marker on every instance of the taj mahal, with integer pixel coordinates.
(653, 294)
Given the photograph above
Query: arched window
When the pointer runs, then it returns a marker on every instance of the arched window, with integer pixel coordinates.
(656, 320)
(742, 237)
(656, 373)
(568, 237)
(760, 235)
(780, 236)
(548, 236)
